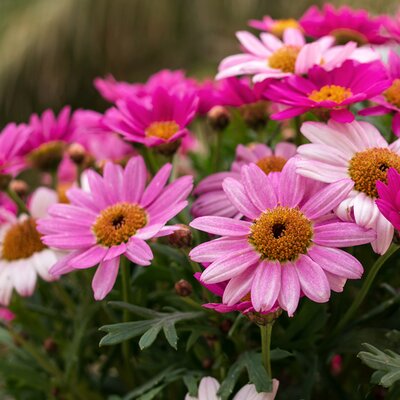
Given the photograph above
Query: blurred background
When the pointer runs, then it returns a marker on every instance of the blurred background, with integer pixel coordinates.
(51, 50)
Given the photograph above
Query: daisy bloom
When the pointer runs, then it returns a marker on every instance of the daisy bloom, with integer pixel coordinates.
(388, 201)
(287, 246)
(112, 219)
(344, 23)
(270, 57)
(163, 121)
(333, 91)
(113, 90)
(12, 139)
(274, 26)
(355, 151)
(209, 386)
(212, 200)
(389, 101)
(23, 255)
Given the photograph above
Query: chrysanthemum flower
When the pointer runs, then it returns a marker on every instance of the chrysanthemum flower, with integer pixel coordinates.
(12, 139)
(359, 152)
(164, 121)
(332, 91)
(272, 58)
(344, 23)
(113, 219)
(388, 201)
(209, 386)
(287, 246)
(274, 26)
(212, 200)
(23, 255)
(389, 100)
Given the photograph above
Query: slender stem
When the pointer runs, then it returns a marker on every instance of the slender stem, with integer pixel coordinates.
(18, 201)
(266, 333)
(297, 125)
(365, 287)
(151, 160)
(217, 151)
(175, 163)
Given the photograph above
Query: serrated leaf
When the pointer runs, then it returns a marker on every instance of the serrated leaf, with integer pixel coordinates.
(149, 336)
(387, 364)
(118, 333)
(171, 335)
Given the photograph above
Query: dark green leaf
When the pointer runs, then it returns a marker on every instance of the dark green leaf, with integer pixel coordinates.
(149, 337)
(171, 335)
(118, 333)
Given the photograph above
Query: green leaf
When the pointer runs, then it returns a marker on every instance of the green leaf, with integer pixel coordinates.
(387, 364)
(118, 333)
(149, 337)
(279, 354)
(171, 335)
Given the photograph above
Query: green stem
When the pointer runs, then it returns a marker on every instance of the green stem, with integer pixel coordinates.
(297, 125)
(365, 287)
(175, 163)
(217, 151)
(18, 201)
(266, 333)
(152, 163)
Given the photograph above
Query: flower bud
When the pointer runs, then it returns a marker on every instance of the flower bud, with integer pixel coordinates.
(219, 118)
(225, 326)
(181, 238)
(183, 288)
(77, 153)
(207, 363)
(255, 115)
(264, 319)
(50, 345)
(20, 187)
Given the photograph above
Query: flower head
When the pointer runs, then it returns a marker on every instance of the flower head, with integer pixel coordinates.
(275, 26)
(163, 121)
(115, 218)
(332, 91)
(344, 23)
(355, 151)
(212, 200)
(288, 244)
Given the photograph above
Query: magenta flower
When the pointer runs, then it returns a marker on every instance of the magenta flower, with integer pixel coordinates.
(389, 101)
(344, 23)
(288, 246)
(355, 151)
(388, 201)
(212, 200)
(269, 57)
(332, 91)
(12, 140)
(112, 90)
(274, 26)
(114, 218)
(392, 28)
(163, 121)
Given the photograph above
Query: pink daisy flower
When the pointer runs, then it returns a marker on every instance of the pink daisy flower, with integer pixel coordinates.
(209, 386)
(112, 90)
(388, 201)
(355, 151)
(164, 121)
(212, 200)
(269, 57)
(332, 91)
(344, 23)
(389, 101)
(23, 255)
(114, 218)
(392, 28)
(12, 140)
(289, 244)
(274, 26)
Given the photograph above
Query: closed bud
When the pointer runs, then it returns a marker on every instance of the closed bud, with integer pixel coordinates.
(183, 288)
(181, 238)
(77, 153)
(50, 345)
(225, 326)
(219, 118)
(20, 187)
(207, 363)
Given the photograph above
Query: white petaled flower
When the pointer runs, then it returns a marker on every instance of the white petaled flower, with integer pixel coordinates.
(23, 256)
(357, 151)
(208, 389)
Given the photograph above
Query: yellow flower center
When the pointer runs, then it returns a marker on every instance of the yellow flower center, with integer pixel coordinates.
(392, 94)
(282, 24)
(345, 35)
(271, 164)
(284, 58)
(21, 241)
(48, 156)
(116, 224)
(281, 234)
(369, 166)
(163, 130)
(62, 189)
(334, 93)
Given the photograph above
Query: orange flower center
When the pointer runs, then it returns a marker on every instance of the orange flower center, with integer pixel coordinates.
(281, 234)
(271, 164)
(163, 130)
(392, 94)
(284, 58)
(21, 241)
(282, 24)
(334, 93)
(368, 166)
(116, 224)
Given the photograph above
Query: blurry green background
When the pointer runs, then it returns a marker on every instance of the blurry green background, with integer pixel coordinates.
(51, 50)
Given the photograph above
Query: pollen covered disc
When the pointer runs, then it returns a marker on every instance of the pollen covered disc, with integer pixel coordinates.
(334, 93)
(163, 129)
(284, 58)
